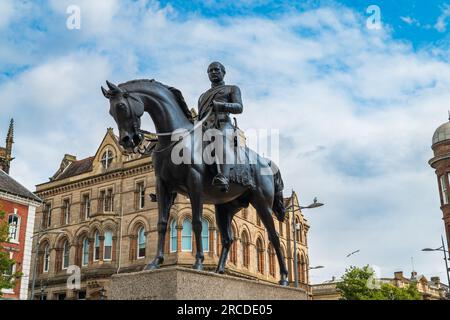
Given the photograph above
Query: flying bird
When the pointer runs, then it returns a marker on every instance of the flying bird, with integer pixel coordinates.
(352, 253)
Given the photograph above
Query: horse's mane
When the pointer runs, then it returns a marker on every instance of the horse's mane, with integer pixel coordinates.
(177, 94)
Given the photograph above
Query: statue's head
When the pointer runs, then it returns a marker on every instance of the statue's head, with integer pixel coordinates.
(216, 72)
(126, 109)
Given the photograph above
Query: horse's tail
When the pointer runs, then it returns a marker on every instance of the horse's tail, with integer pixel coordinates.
(278, 203)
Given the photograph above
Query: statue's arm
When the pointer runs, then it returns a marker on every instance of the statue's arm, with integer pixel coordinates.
(235, 106)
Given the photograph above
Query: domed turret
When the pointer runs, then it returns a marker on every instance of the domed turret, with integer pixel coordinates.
(441, 163)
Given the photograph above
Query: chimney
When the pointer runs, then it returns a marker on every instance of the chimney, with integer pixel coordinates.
(414, 275)
(398, 275)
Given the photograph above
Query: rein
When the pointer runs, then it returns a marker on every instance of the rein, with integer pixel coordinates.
(163, 134)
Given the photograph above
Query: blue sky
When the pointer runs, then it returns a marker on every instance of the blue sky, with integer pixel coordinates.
(355, 107)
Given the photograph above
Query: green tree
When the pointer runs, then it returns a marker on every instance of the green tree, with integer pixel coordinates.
(360, 284)
(7, 278)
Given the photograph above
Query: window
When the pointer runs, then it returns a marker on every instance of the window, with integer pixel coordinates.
(47, 215)
(61, 296)
(280, 227)
(85, 252)
(260, 255)
(107, 253)
(66, 254)
(106, 200)
(81, 295)
(258, 221)
(142, 240)
(66, 211)
(86, 207)
(46, 258)
(140, 192)
(205, 235)
(14, 225)
(96, 246)
(186, 236)
(444, 190)
(245, 249)
(173, 236)
(107, 159)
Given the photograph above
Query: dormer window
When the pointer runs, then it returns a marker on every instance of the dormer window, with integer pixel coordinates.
(107, 159)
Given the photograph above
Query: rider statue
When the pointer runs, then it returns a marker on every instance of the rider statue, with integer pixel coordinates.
(214, 107)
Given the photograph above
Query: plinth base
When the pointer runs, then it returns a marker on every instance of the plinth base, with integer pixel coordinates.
(177, 283)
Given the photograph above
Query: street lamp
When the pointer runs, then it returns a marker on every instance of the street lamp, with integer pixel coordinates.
(295, 227)
(442, 248)
(316, 267)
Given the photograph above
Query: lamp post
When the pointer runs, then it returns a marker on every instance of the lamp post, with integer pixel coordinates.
(293, 206)
(442, 248)
(316, 267)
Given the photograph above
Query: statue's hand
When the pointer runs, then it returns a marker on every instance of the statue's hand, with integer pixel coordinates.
(218, 106)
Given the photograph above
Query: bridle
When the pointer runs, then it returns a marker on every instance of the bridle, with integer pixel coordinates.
(128, 95)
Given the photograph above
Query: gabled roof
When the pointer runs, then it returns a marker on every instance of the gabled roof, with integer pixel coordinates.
(75, 168)
(11, 186)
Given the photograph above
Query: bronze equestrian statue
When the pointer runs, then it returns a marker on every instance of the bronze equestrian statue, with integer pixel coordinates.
(248, 183)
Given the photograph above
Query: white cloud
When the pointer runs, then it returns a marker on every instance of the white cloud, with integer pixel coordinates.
(357, 108)
(441, 23)
(6, 13)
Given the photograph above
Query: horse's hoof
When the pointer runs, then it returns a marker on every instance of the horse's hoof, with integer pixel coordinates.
(151, 266)
(220, 271)
(284, 283)
(198, 266)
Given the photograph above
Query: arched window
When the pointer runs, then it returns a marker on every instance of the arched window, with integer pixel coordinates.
(245, 249)
(260, 255)
(96, 246)
(85, 252)
(205, 235)
(186, 236)
(107, 246)
(66, 255)
(173, 236)
(107, 158)
(271, 260)
(233, 249)
(14, 226)
(46, 264)
(142, 241)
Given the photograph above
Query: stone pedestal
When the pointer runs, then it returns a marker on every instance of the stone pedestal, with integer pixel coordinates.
(177, 283)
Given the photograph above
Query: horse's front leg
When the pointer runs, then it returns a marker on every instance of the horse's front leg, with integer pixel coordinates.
(195, 187)
(165, 199)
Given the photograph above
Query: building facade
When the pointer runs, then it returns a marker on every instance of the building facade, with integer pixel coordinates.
(431, 289)
(98, 215)
(20, 205)
(441, 163)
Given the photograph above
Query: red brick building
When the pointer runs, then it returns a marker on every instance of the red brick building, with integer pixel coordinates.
(20, 206)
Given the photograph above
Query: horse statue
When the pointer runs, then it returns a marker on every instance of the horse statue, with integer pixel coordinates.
(169, 112)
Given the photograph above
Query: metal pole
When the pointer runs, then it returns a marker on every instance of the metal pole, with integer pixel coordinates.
(295, 242)
(446, 264)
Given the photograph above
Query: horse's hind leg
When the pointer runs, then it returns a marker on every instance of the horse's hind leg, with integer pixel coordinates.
(264, 210)
(224, 216)
(194, 183)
